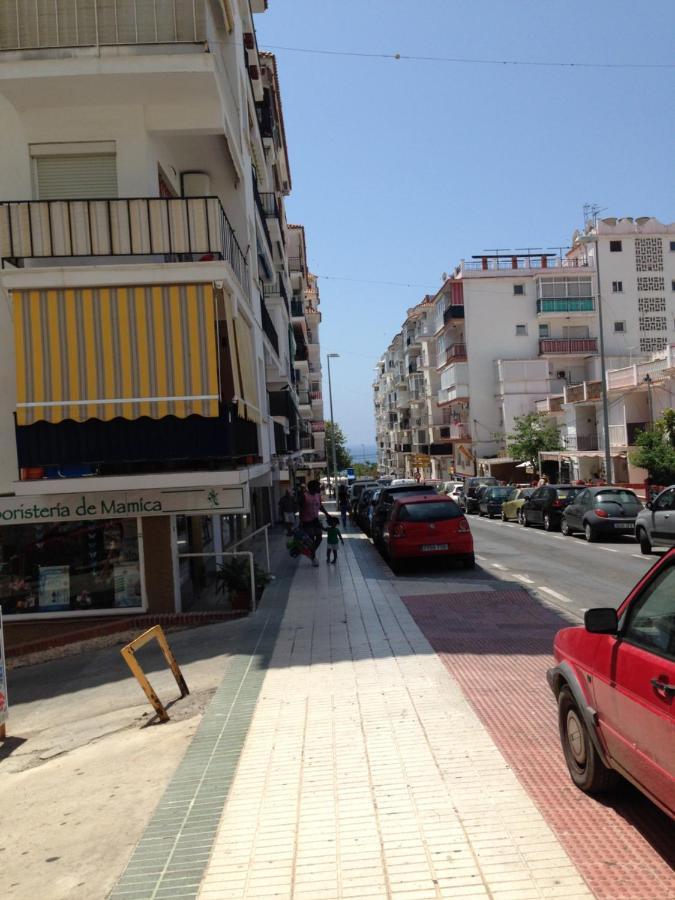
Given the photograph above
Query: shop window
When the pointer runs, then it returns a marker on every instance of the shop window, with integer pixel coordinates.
(70, 567)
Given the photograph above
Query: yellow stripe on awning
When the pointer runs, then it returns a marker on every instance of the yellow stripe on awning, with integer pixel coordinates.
(116, 352)
(248, 406)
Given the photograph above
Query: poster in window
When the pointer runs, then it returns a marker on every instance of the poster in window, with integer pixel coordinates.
(54, 588)
(127, 581)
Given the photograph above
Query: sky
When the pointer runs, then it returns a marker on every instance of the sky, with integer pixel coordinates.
(402, 168)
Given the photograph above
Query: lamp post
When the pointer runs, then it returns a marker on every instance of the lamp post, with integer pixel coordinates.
(332, 424)
(589, 239)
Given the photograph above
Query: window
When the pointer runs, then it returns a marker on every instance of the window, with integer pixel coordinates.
(429, 512)
(619, 328)
(617, 287)
(544, 331)
(672, 285)
(672, 246)
(650, 622)
(519, 289)
(521, 330)
(74, 171)
(615, 247)
(665, 502)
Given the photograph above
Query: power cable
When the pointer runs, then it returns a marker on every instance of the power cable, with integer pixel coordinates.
(468, 60)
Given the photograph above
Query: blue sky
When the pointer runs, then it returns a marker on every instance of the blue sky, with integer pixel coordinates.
(401, 168)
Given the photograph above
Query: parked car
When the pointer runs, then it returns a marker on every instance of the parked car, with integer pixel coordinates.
(355, 492)
(614, 681)
(491, 500)
(655, 524)
(427, 525)
(601, 510)
(385, 503)
(452, 488)
(468, 498)
(368, 518)
(545, 506)
(362, 505)
(511, 508)
(472, 503)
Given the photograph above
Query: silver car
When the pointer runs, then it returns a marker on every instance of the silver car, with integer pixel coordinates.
(655, 524)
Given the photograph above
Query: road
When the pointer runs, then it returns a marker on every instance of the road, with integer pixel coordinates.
(568, 572)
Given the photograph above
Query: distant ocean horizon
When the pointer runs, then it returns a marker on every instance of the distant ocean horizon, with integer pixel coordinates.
(363, 452)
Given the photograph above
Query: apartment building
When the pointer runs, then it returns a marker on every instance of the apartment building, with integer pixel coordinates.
(145, 321)
(509, 329)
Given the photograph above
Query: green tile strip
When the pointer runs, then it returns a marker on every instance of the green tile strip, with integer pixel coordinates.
(172, 855)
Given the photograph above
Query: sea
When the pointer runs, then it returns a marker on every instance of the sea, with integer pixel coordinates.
(363, 452)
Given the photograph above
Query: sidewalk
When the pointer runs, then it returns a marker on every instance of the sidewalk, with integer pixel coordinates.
(364, 772)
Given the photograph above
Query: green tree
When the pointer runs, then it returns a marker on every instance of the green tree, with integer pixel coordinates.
(365, 469)
(532, 434)
(655, 449)
(342, 455)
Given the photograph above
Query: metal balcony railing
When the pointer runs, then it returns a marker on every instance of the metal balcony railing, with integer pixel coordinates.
(568, 345)
(46, 24)
(534, 261)
(261, 210)
(268, 327)
(296, 264)
(297, 309)
(182, 229)
(277, 289)
(455, 352)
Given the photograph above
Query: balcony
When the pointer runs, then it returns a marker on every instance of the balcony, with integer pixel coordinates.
(455, 352)
(99, 23)
(581, 442)
(453, 312)
(277, 289)
(297, 264)
(315, 396)
(509, 262)
(297, 309)
(268, 327)
(261, 211)
(633, 376)
(565, 305)
(568, 345)
(625, 435)
(139, 446)
(318, 427)
(183, 229)
(550, 404)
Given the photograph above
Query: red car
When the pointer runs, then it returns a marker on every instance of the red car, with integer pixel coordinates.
(424, 525)
(614, 681)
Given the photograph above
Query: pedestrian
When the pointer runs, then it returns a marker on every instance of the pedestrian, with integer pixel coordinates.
(343, 503)
(332, 537)
(311, 506)
(543, 481)
(287, 508)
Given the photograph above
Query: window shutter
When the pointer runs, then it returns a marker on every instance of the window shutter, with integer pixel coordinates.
(76, 177)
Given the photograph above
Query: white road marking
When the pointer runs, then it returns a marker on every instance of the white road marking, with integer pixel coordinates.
(498, 566)
(478, 556)
(555, 594)
(637, 556)
(608, 549)
(523, 578)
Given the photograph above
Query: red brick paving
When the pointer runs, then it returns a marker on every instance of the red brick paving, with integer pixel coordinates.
(497, 646)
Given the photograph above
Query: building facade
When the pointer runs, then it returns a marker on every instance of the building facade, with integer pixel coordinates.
(508, 330)
(146, 322)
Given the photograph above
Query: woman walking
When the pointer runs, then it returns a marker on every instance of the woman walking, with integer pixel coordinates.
(309, 516)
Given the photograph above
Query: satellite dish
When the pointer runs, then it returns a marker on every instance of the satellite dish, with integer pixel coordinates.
(444, 276)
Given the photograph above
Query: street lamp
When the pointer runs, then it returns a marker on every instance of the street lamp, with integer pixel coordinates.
(590, 239)
(332, 424)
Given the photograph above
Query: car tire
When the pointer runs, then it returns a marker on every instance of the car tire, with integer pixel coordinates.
(519, 516)
(645, 543)
(469, 562)
(526, 523)
(590, 533)
(504, 517)
(548, 523)
(584, 764)
(565, 528)
(480, 514)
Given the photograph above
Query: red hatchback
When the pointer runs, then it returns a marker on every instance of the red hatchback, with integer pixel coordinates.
(614, 680)
(424, 525)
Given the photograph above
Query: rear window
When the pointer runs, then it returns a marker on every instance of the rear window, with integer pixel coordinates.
(500, 493)
(429, 512)
(627, 497)
(567, 493)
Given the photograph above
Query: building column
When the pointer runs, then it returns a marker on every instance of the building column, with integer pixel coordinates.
(158, 567)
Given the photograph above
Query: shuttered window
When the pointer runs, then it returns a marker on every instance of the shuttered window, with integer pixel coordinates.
(75, 176)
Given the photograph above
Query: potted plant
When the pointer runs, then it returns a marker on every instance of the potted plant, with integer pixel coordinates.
(235, 575)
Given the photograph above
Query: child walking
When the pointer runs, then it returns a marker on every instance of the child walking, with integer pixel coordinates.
(332, 537)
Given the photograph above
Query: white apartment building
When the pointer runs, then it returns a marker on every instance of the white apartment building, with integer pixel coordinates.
(511, 329)
(145, 314)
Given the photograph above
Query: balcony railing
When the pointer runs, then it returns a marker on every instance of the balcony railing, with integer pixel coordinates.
(535, 261)
(632, 376)
(568, 345)
(296, 264)
(268, 327)
(581, 442)
(297, 309)
(453, 312)
(316, 395)
(179, 229)
(569, 305)
(318, 427)
(261, 210)
(455, 352)
(29, 25)
(277, 289)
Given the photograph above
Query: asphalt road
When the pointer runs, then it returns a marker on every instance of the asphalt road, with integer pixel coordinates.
(567, 572)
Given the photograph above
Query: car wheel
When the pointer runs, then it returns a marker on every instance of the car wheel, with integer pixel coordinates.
(526, 523)
(480, 514)
(469, 562)
(521, 520)
(565, 528)
(591, 533)
(548, 523)
(586, 768)
(645, 543)
(504, 517)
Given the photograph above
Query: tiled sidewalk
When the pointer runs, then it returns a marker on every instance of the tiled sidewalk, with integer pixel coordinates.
(366, 774)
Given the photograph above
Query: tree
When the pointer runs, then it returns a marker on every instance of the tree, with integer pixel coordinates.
(342, 455)
(532, 434)
(365, 469)
(656, 449)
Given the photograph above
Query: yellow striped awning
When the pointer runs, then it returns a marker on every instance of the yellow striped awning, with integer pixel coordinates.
(240, 342)
(103, 353)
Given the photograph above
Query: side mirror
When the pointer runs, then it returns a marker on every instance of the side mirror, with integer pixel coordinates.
(602, 620)
(649, 505)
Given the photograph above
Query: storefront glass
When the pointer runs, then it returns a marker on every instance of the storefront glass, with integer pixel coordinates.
(69, 567)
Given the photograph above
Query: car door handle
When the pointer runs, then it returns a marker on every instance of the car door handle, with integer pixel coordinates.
(668, 690)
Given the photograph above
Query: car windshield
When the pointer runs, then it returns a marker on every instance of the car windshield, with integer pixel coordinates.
(625, 498)
(500, 493)
(429, 512)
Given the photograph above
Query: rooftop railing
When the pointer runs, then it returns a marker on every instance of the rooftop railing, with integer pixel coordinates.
(50, 24)
(509, 263)
(178, 229)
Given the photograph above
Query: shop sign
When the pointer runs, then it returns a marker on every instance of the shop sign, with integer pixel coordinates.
(30, 510)
(4, 702)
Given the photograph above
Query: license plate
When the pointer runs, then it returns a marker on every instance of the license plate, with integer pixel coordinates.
(623, 525)
(426, 548)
